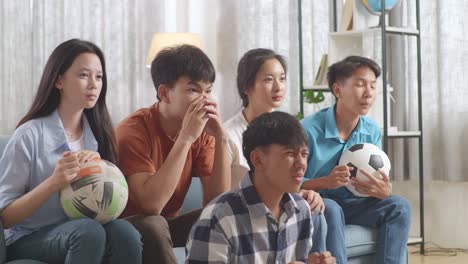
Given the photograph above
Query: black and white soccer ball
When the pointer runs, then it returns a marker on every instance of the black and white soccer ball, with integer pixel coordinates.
(367, 157)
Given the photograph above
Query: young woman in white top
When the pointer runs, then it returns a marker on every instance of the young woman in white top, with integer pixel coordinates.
(67, 124)
(261, 83)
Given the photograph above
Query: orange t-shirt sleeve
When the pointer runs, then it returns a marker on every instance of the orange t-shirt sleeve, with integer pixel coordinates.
(203, 165)
(134, 148)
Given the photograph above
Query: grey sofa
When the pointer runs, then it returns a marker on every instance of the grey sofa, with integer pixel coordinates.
(360, 240)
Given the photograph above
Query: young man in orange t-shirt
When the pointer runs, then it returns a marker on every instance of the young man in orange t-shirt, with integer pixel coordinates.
(162, 147)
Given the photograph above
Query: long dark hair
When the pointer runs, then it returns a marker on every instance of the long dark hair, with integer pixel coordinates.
(48, 97)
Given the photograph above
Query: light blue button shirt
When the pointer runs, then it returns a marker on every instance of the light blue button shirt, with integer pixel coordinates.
(28, 159)
(326, 146)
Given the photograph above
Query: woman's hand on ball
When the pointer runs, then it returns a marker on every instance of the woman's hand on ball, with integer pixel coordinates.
(374, 187)
(339, 177)
(86, 155)
(66, 169)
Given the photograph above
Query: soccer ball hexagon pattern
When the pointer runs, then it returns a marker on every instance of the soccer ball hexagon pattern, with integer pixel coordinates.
(367, 157)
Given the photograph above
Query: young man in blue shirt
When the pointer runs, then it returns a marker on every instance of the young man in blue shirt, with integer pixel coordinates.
(332, 131)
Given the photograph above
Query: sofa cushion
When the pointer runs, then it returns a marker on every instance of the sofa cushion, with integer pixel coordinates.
(180, 254)
(194, 198)
(360, 240)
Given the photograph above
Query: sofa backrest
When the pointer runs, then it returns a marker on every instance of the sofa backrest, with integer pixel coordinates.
(194, 198)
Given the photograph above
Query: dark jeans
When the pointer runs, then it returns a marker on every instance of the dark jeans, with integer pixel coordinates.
(160, 235)
(81, 241)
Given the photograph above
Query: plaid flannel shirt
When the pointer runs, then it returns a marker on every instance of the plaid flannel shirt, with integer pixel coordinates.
(237, 227)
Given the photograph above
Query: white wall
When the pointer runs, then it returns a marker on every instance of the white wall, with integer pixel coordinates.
(445, 212)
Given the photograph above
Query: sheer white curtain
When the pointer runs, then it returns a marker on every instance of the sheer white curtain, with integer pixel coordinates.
(444, 55)
(31, 29)
(402, 68)
(445, 95)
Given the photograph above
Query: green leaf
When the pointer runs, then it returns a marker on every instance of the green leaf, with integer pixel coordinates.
(313, 97)
(299, 116)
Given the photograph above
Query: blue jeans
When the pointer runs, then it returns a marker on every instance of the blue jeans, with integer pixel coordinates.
(390, 216)
(319, 234)
(81, 241)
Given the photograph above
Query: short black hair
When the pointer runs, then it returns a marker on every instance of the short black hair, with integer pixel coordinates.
(272, 128)
(342, 70)
(248, 67)
(184, 60)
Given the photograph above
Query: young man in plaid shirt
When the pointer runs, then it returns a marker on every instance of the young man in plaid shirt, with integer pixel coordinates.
(265, 220)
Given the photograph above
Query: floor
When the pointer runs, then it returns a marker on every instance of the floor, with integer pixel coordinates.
(436, 257)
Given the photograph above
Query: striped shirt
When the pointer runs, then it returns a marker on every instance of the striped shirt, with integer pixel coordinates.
(237, 227)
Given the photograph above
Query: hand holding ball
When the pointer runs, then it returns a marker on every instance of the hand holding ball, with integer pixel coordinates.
(367, 157)
(99, 192)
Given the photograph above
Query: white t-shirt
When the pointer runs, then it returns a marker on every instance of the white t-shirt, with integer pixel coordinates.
(77, 144)
(239, 166)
